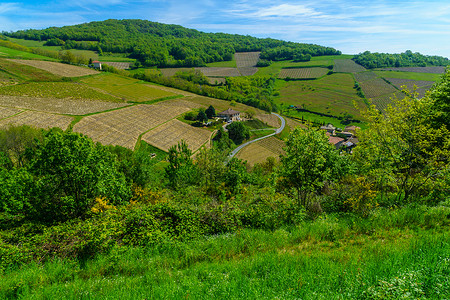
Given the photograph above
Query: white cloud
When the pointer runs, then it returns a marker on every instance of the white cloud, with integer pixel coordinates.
(8, 7)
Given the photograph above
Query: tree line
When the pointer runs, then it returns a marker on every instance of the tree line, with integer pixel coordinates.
(157, 44)
(407, 59)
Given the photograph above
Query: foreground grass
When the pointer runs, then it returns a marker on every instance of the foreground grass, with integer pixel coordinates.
(392, 255)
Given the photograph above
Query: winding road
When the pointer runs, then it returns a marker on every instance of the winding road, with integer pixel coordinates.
(235, 151)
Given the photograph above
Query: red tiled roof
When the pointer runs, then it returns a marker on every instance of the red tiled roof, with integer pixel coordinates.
(229, 112)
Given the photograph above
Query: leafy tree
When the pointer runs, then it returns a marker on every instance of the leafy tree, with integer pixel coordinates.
(70, 171)
(210, 112)
(402, 148)
(181, 170)
(440, 96)
(201, 117)
(238, 132)
(309, 162)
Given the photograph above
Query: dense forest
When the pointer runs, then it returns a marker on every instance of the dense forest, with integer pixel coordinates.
(407, 59)
(156, 44)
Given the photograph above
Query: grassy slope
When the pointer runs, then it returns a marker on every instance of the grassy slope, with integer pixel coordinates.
(399, 253)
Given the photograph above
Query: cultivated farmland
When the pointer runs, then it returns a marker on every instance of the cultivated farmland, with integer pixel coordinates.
(7, 111)
(433, 69)
(58, 68)
(170, 133)
(61, 106)
(37, 119)
(364, 76)
(246, 59)
(409, 83)
(118, 65)
(59, 90)
(123, 126)
(376, 87)
(382, 102)
(25, 72)
(269, 119)
(128, 89)
(303, 73)
(219, 72)
(248, 71)
(347, 66)
(259, 151)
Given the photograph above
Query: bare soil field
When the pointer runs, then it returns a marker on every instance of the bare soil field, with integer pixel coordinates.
(376, 87)
(432, 70)
(7, 111)
(248, 71)
(123, 126)
(347, 66)
(60, 106)
(303, 73)
(409, 83)
(269, 119)
(219, 72)
(170, 133)
(37, 119)
(57, 68)
(246, 59)
(221, 105)
(259, 151)
(118, 65)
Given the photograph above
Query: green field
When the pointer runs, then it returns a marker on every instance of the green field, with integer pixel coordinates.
(409, 75)
(26, 73)
(12, 53)
(223, 64)
(128, 89)
(333, 94)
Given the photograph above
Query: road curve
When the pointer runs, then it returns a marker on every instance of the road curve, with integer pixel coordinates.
(280, 129)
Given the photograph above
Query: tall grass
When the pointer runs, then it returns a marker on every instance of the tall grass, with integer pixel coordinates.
(390, 256)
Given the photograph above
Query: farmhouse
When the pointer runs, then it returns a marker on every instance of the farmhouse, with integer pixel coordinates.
(230, 115)
(329, 128)
(97, 64)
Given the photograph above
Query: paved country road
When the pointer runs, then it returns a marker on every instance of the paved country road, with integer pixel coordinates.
(235, 151)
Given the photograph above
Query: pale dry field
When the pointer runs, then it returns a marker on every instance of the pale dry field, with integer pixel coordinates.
(7, 111)
(57, 68)
(246, 59)
(269, 119)
(60, 106)
(37, 119)
(171, 133)
(259, 151)
(123, 126)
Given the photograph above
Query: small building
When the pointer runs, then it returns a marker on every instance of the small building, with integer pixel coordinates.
(329, 128)
(97, 64)
(230, 115)
(353, 129)
(336, 141)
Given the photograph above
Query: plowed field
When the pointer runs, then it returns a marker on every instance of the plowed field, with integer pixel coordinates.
(259, 151)
(57, 68)
(38, 119)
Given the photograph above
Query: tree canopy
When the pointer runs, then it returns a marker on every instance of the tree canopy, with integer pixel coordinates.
(157, 44)
(407, 59)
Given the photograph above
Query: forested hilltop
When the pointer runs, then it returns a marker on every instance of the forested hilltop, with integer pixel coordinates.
(407, 59)
(162, 45)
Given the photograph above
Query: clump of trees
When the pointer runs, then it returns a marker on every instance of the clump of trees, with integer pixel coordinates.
(407, 59)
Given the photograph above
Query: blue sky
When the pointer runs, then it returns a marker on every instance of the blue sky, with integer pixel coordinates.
(350, 26)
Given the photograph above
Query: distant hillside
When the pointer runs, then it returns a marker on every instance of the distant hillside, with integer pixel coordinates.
(407, 59)
(156, 44)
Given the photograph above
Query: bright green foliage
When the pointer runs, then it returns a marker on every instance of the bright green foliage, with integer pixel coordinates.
(70, 172)
(440, 95)
(210, 112)
(309, 162)
(181, 170)
(406, 59)
(402, 149)
(238, 132)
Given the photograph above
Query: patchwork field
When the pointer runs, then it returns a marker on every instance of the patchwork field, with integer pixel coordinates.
(246, 59)
(7, 111)
(303, 73)
(26, 73)
(12, 53)
(122, 127)
(37, 119)
(219, 72)
(269, 119)
(172, 132)
(61, 106)
(364, 76)
(382, 102)
(376, 87)
(221, 105)
(347, 66)
(118, 65)
(433, 70)
(57, 68)
(409, 83)
(259, 151)
(59, 90)
(333, 94)
(409, 75)
(128, 89)
(248, 71)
